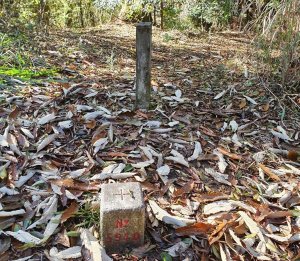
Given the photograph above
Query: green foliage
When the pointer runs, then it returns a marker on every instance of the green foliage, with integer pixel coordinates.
(133, 13)
(278, 39)
(172, 17)
(73, 233)
(88, 216)
(26, 74)
(56, 13)
(16, 61)
(12, 50)
(211, 12)
(167, 37)
(136, 10)
(166, 257)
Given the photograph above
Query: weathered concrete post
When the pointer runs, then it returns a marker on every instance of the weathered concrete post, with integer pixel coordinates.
(143, 64)
(122, 216)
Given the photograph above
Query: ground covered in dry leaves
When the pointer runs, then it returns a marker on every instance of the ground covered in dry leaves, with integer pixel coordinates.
(216, 155)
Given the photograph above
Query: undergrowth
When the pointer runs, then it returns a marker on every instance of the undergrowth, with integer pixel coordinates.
(18, 59)
(88, 216)
(26, 74)
(14, 50)
(278, 40)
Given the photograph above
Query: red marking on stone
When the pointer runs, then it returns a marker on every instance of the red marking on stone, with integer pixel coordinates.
(120, 223)
(126, 237)
(136, 236)
(123, 237)
(108, 238)
(118, 237)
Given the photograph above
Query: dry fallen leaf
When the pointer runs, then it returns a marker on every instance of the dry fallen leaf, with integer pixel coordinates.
(96, 251)
(243, 103)
(194, 229)
(281, 134)
(46, 141)
(14, 113)
(91, 124)
(220, 177)
(179, 247)
(218, 232)
(76, 185)
(293, 155)
(229, 154)
(46, 119)
(69, 253)
(210, 197)
(265, 107)
(69, 212)
(187, 188)
(197, 151)
(24, 237)
(178, 158)
(250, 100)
(219, 95)
(226, 206)
(164, 216)
(269, 172)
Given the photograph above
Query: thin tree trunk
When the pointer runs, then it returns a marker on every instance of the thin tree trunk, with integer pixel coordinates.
(162, 14)
(81, 14)
(41, 12)
(91, 14)
(154, 15)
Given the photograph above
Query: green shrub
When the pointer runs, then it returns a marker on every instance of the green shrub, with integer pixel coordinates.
(278, 39)
(171, 14)
(133, 14)
(26, 74)
(13, 51)
(207, 13)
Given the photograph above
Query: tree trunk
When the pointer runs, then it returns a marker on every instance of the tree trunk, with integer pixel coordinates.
(43, 19)
(81, 14)
(91, 14)
(161, 14)
(154, 14)
(41, 12)
(69, 16)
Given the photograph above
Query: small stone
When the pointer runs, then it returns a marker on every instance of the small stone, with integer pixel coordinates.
(122, 216)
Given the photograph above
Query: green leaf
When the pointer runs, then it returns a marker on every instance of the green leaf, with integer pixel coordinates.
(249, 83)
(27, 245)
(3, 174)
(165, 256)
(128, 168)
(73, 234)
(16, 227)
(188, 241)
(27, 74)
(215, 251)
(296, 213)
(251, 235)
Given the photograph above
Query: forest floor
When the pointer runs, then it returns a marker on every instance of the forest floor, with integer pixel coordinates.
(218, 152)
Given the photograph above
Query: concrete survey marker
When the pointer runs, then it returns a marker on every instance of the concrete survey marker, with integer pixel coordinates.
(122, 216)
(143, 64)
